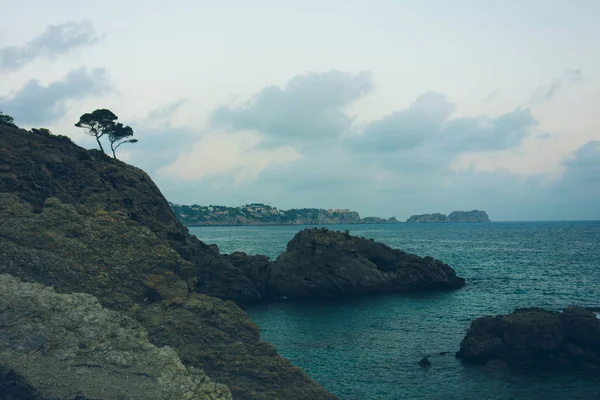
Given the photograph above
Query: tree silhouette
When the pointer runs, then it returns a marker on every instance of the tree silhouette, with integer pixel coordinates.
(118, 135)
(98, 123)
(7, 120)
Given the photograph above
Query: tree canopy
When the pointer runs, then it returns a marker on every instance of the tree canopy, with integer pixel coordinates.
(7, 120)
(119, 135)
(103, 122)
(98, 123)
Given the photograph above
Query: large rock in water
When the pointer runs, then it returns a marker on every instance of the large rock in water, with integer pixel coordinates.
(533, 336)
(67, 346)
(83, 222)
(324, 263)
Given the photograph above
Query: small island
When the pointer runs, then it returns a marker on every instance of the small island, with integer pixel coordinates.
(264, 214)
(455, 216)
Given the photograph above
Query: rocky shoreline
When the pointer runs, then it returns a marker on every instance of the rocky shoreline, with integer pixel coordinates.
(99, 280)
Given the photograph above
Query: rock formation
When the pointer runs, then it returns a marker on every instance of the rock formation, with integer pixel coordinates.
(67, 346)
(455, 216)
(535, 337)
(324, 263)
(84, 222)
(468, 216)
(427, 218)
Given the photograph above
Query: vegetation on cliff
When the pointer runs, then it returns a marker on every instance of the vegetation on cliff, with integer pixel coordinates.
(102, 122)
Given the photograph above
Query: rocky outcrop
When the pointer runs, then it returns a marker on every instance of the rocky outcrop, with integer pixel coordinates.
(468, 216)
(324, 263)
(35, 167)
(84, 222)
(68, 346)
(427, 218)
(455, 216)
(535, 337)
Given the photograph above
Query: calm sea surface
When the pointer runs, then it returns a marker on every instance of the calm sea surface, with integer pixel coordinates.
(368, 347)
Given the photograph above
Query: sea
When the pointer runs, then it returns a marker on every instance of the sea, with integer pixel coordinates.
(369, 347)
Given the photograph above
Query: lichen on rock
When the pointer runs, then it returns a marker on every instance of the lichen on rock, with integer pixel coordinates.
(67, 345)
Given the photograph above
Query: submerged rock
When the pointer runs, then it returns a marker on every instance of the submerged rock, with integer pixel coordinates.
(425, 363)
(324, 263)
(67, 345)
(533, 336)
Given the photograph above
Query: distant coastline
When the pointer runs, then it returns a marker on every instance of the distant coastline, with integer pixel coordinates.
(258, 214)
(264, 214)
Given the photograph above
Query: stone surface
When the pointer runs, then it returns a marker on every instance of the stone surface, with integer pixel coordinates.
(324, 263)
(67, 345)
(533, 336)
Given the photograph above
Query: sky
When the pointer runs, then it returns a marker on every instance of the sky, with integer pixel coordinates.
(389, 108)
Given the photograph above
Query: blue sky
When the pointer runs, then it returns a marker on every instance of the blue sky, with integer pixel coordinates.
(390, 108)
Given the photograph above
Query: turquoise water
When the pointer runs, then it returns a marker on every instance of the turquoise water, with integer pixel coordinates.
(368, 347)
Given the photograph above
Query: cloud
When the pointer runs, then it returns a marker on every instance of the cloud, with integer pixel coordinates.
(236, 154)
(36, 104)
(54, 41)
(423, 136)
(484, 133)
(545, 93)
(309, 107)
(583, 166)
(407, 128)
(166, 111)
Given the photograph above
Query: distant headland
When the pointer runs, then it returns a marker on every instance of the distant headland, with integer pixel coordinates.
(454, 216)
(265, 214)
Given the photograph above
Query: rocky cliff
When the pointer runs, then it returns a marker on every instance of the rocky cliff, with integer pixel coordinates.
(84, 222)
(468, 216)
(535, 337)
(427, 218)
(324, 263)
(455, 216)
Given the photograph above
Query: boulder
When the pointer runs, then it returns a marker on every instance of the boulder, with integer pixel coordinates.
(324, 263)
(535, 337)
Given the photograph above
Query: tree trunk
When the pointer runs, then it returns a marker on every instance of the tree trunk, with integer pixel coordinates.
(100, 144)
(113, 150)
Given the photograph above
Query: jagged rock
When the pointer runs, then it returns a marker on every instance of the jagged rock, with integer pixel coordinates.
(533, 336)
(257, 268)
(67, 345)
(84, 222)
(324, 263)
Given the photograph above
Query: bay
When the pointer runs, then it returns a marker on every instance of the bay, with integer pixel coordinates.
(368, 347)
